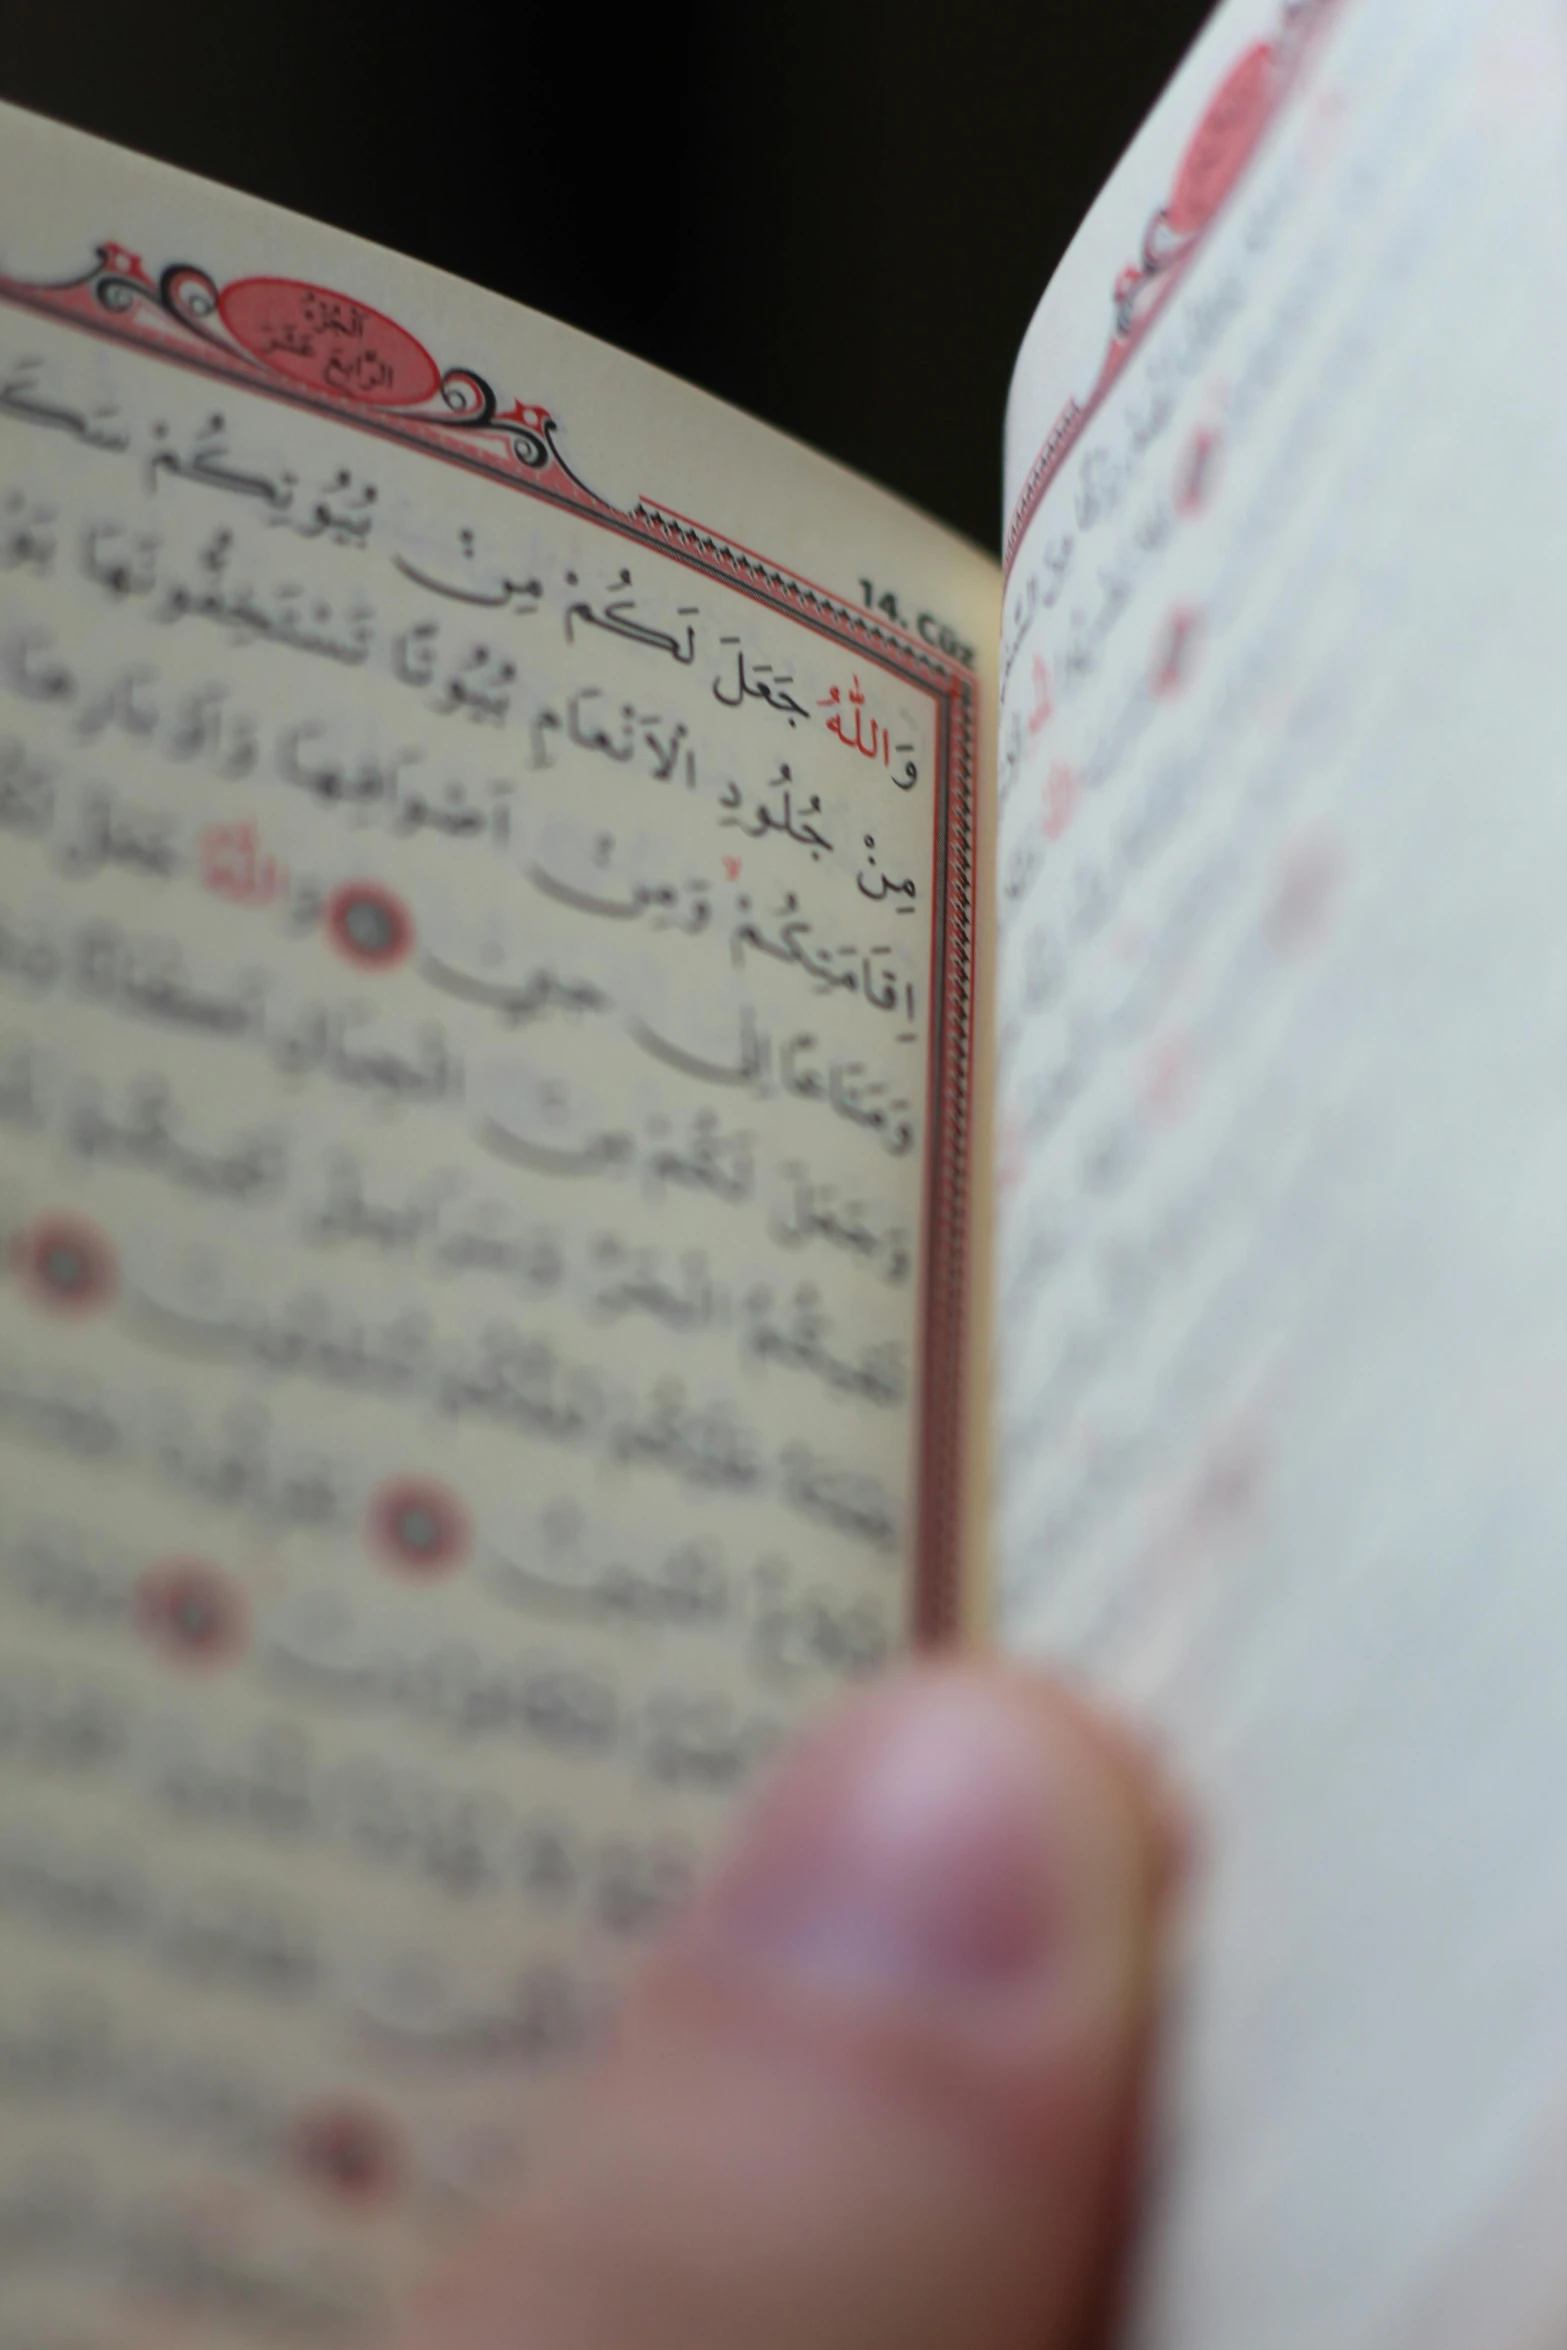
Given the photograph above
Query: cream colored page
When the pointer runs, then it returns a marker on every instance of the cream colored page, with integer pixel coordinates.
(482, 1031)
(1283, 1083)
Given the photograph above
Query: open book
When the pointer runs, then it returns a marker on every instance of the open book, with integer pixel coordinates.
(628, 1076)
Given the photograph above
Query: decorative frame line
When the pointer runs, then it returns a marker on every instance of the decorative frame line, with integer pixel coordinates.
(310, 348)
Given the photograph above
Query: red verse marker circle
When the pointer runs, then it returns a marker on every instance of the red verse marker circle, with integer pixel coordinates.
(65, 1265)
(350, 2153)
(419, 1527)
(369, 926)
(193, 1612)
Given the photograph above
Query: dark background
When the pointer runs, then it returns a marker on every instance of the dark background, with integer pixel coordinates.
(838, 216)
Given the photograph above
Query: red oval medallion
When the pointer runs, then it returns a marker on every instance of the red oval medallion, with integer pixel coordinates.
(193, 1612)
(1225, 142)
(419, 1527)
(65, 1265)
(328, 341)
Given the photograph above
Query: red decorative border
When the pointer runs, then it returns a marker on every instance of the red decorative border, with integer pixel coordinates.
(184, 315)
(1217, 159)
(326, 352)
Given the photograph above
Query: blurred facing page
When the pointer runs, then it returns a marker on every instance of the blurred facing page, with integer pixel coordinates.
(1283, 1110)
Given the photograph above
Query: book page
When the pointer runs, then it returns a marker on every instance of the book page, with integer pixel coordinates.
(1283, 1083)
(486, 1005)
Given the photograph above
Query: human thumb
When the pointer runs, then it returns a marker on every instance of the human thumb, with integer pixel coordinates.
(878, 2091)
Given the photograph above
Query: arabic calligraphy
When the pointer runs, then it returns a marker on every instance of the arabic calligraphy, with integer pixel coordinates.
(464, 1070)
(872, 740)
(346, 510)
